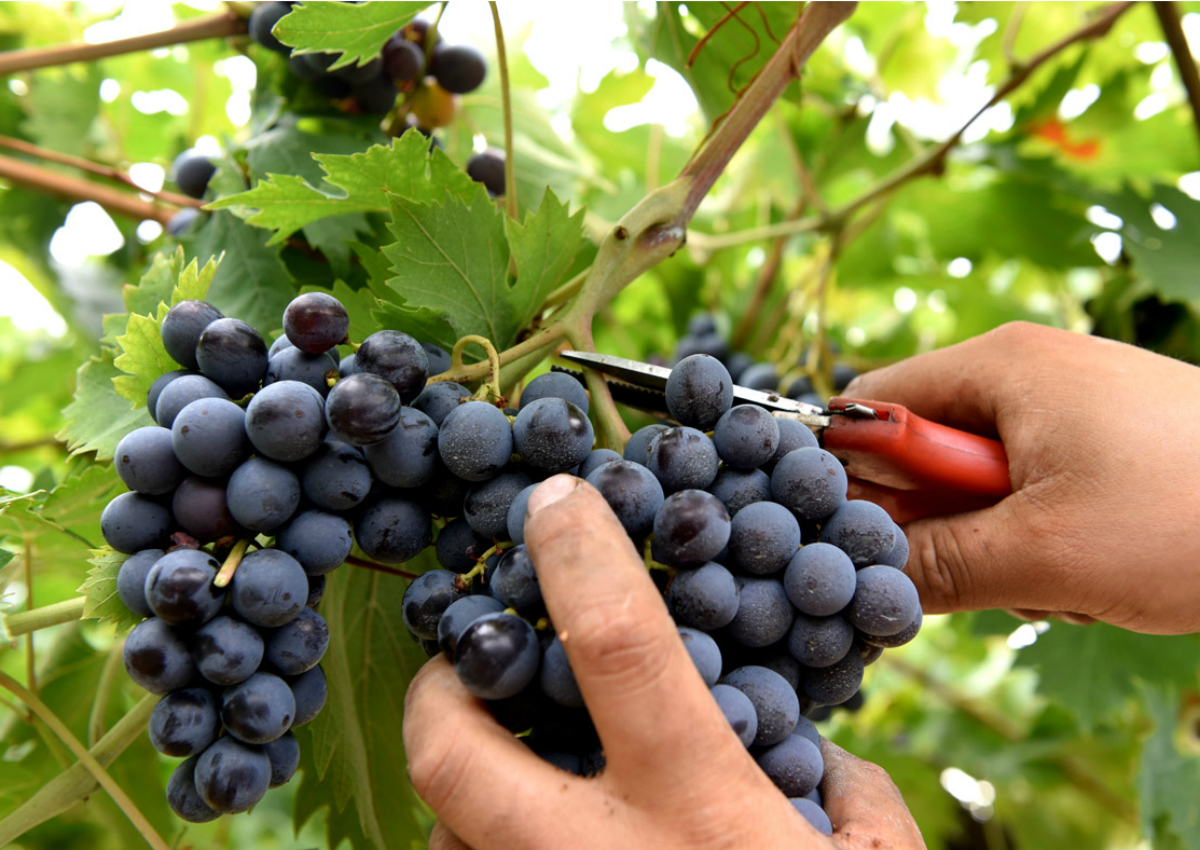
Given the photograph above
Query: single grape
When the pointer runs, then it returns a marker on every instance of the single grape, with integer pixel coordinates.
(885, 601)
(820, 580)
(316, 322)
(298, 646)
(691, 527)
(209, 437)
(316, 591)
(157, 658)
(398, 359)
(425, 600)
(556, 677)
(552, 434)
(637, 449)
(515, 582)
(392, 531)
(701, 324)
(792, 435)
(514, 521)
(862, 530)
(710, 344)
(183, 798)
(131, 580)
(179, 393)
(794, 765)
(226, 650)
(460, 614)
(269, 588)
(181, 329)
(439, 359)
(487, 168)
(775, 704)
(811, 482)
(868, 652)
(763, 537)
(157, 387)
(705, 598)
(362, 409)
(318, 540)
(746, 436)
(813, 813)
(233, 355)
(738, 710)
(146, 463)
(683, 459)
(292, 364)
(335, 477)
(403, 60)
(192, 171)
(820, 641)
(184, 722)
(132, 522)
(553, 384)
(632, 492)
(262, 495)
(898, 556)
(347, 366)
(263, 19)
(182, 221)
(595, 460)
(699, 391)
(737, 363)
(280, 344)
(704, 653)
(836, 683)
(900, 638)
(737, 488)
(760, 376)
(475, 441)
(310, 690)
(458, 547)
(497, 656)
(458, 68)
(406, 456)
(439, 398)
(286, 421)
(231, 776)
(284, 753)
(486, 506)
(180, 589)
(259, 709)
(764, 613)
(199, 506)
(444, 496)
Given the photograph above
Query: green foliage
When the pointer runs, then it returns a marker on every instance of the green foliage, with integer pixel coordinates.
(358, 33)
(100, 591)
(1169, 777)
(98, 417)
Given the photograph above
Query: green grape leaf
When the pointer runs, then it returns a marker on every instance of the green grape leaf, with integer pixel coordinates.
(423, 324)
(357, 751)
(359, 183)
(452, 258)
(357, 31)
(98, 417)
(1168, 778)
(1168, 258)
(1091, 670)
(100, 591)
(544, 247)
(331, 236)
(155, 285)
(144, 357)
(194, 282)
(373, 263)
(251, 283)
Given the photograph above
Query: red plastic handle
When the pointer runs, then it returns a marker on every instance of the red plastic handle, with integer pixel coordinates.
(903, 452)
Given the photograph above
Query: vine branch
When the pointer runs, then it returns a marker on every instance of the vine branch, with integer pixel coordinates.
(216, 25)
(26, 622)
(1172, 27)
(510, 169)
(74, 189)
(379, 568)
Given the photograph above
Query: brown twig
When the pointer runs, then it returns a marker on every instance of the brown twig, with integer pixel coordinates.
(731, 13)
(379, 568)
(21, 146)
(217, 25)
(1168, 19)
(74, 189)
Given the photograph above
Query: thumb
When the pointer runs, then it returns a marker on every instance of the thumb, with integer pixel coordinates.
(864, 805)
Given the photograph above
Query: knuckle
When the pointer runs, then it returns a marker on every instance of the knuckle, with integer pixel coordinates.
(1018, 334)
(618, 640)
(939, 568)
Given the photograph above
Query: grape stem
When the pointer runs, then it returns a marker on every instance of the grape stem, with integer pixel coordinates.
(108, 677)
(88, 760)
(221, 24)
(69, 188)
(1172, 27)
(15, 625)
(232, 560)
(538, 342)
(379, 568)
(510, 171)
(490, 389)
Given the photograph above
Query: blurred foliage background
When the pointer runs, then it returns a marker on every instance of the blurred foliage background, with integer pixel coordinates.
(867, 219)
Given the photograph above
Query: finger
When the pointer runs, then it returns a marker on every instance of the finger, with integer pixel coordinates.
(623, 646)
(443, 839)
(458, 755)
(864, 805)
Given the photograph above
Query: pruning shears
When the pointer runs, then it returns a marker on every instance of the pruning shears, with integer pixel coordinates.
(908, 465)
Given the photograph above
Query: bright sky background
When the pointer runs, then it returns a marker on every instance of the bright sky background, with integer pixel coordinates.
(566, 52)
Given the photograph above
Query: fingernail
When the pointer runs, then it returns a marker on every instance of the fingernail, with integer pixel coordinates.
(550, 491)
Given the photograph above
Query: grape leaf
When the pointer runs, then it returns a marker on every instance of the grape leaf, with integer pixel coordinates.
(357, 750)
(1091, 670)
(544, 247)
(423, 324)
(251, 283)
(194, 282)
(144, 357)
(98, 417)
(357, 31)
(286, 203)
(100, 591)
(1167, 257)
(1168, 779)
(155, 285)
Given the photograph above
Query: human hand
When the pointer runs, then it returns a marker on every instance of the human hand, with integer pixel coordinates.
(676, 774)
(1105, 467)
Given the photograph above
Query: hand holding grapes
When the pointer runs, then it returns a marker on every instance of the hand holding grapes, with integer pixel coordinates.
(676, 773)
(1104, 465)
